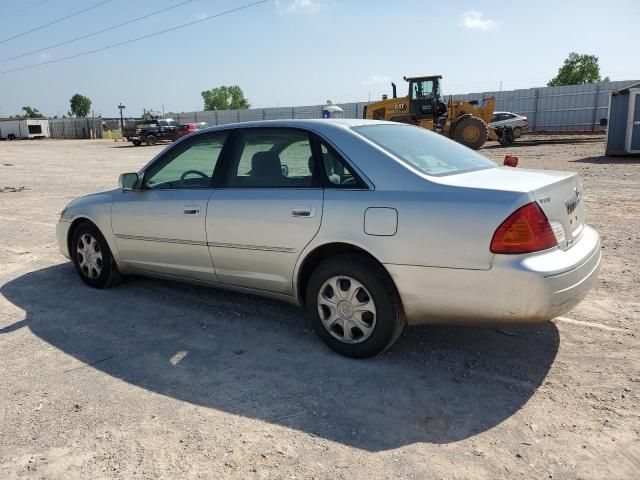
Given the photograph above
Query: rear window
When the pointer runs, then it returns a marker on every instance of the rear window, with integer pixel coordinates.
(429, 152)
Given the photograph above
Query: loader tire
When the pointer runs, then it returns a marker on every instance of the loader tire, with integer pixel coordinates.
(471, 132)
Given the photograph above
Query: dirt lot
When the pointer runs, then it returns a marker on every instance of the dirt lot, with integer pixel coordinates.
(153, 379)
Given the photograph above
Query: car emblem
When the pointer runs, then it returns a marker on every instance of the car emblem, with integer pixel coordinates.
(572, 202)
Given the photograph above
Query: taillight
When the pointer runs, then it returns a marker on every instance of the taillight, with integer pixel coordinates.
(526, 230)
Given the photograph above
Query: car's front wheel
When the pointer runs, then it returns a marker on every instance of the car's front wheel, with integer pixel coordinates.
(353, 306)
(92, 257)
(517, 132)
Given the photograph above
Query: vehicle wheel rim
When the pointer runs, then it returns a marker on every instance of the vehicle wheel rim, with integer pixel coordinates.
(471, 133)
(517, 132)
(346, 309)
(89, 256)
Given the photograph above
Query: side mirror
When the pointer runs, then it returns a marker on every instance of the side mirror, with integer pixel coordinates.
(128, 181)
(604, 122)
(285, 170)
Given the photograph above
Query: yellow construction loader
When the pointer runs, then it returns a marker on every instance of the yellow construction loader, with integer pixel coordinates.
(465, 122)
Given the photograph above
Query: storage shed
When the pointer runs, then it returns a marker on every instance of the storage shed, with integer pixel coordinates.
(623, 131)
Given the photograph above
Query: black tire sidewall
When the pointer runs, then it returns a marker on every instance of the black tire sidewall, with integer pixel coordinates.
(104, 279)
(384, 297)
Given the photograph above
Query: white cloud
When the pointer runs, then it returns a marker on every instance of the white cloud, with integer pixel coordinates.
(475, 21)
(294, 6)
(44, 56)
(376, 80)
(201, 16)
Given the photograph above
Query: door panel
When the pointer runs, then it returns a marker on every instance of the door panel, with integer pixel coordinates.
(161, 227)
(163, 231)
(256, 235)
(268, 209)
(634, 127)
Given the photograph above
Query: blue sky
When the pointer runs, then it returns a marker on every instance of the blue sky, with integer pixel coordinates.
(301, 52)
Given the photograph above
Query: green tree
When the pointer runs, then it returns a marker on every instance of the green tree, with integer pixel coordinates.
(80, 105)
(225, 98)
(30, 112)
(578, 69)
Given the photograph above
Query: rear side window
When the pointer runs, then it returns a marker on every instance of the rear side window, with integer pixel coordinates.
(428, 152)
(338, 174)
(272, 158)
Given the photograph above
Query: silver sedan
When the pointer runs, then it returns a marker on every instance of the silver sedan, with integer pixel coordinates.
(518, 123)
(369, 225)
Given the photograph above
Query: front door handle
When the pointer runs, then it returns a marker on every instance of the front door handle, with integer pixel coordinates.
(303, 212)
(192, 210)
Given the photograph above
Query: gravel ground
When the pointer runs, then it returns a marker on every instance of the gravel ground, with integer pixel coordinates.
(154, 379)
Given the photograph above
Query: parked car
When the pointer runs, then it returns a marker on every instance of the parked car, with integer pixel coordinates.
(151, 131)
(370, 226)
(518, 123)
(187, 128)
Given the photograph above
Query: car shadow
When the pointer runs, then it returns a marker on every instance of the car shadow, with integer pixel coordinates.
(257, 358)
(602, 160)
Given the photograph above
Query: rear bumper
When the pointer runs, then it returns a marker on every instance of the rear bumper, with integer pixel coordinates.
(62, 233)
(517, 289)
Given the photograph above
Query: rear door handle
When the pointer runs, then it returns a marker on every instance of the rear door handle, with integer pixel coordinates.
(303, 212)
(192, 209)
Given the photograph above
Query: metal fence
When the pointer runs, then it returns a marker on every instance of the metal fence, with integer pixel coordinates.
(549, 109)
(75, 127)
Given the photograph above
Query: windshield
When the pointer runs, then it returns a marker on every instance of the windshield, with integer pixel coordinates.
(429, 152)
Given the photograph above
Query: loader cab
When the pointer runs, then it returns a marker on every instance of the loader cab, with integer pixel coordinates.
(425, 97)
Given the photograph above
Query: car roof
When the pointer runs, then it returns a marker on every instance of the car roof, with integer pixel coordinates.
(320, 125)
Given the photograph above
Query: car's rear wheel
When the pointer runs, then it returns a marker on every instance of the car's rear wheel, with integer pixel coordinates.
(92, 257)
(517, 132)
(137, 143)
(151, 140)
(353, 306)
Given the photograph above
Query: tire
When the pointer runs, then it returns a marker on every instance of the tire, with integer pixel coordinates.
(137, 143)
(373, 291)
(11, 137)
(517, 132)
(98, 269)
(471, 132)
(151, 140)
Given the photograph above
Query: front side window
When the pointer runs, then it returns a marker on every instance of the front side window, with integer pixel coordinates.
(426, 151)
(189, 166)
(272, 158)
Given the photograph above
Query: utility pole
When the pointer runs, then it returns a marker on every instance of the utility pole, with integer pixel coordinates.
(121, 107)
(500, 85)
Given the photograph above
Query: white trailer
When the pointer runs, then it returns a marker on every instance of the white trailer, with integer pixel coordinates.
(27, 128)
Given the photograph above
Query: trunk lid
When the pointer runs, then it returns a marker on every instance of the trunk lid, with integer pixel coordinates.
(559, 194)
